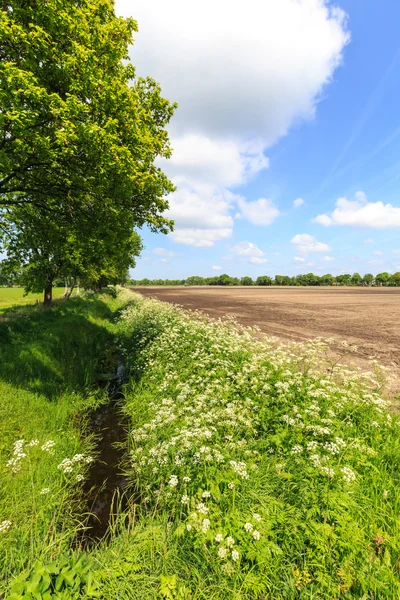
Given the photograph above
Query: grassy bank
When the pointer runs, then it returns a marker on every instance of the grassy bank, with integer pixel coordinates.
(263, 471)
(257, 471)
(49, 363)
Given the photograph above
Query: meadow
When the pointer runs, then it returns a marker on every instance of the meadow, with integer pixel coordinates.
(256, 469)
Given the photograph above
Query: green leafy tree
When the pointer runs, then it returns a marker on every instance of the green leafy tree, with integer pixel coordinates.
(264, 280)
(382, 278)
(395, 279)
(79, 133)
(224, 279)
(356, 279)
(246, 281)
(368, 279)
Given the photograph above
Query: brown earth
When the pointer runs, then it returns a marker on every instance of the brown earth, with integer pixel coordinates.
(366, 317)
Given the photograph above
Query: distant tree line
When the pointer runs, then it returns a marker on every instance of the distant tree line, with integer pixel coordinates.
(308, 279)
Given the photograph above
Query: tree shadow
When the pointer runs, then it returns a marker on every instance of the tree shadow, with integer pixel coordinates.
(51, 352)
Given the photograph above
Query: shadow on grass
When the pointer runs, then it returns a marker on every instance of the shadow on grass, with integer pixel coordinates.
(50, 351)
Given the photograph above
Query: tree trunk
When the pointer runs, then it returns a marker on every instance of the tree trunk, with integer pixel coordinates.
(71, 289)
(48, 295)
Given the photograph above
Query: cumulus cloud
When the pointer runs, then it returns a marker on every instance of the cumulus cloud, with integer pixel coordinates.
(221, 130)
(249, 252)
(307, 243)
(163, 252)
(216, 268)
(377, 253)
(361, 213)
(299, 259)
(200, 238)
(197, 158)
(327, 259)
(298, 202)
(260, 212)
(199, 52)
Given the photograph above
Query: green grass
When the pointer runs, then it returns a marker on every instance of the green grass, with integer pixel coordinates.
(257, 471)
(14, 297)
(48, 364)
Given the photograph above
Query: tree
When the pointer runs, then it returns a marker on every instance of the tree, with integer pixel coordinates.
(326, 279)
(246, 281)
(79, 133)
(395, 279)
(224, 279)
(368, 279)
(356, 279)
(264, 280)
(382, 278)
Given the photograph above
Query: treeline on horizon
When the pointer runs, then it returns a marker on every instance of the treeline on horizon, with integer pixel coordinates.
(309, 279)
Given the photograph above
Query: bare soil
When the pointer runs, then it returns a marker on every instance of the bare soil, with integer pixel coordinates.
(366, 317)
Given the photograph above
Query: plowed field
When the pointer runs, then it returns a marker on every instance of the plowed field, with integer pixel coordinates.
(367, 317)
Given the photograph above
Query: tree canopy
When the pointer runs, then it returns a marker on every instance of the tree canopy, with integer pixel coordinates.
(79, 132)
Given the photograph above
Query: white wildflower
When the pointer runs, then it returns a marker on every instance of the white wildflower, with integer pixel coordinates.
(248, 527)
(5, 525)
(235, 555)
(173, 481)
(222, 552)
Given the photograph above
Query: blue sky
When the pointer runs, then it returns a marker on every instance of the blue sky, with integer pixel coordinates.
(296, 100)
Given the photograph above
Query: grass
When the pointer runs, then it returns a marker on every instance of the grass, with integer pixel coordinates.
(14, 297)
(48, 369)
(258, 471)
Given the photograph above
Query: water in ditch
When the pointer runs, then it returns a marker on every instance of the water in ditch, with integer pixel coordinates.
(105, 485)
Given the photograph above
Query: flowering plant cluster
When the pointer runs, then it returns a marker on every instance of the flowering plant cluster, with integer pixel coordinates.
(270, 460)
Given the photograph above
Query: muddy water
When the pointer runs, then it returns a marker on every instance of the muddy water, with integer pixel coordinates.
(104, 486)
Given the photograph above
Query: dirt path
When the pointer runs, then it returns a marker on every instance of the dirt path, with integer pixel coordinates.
(366, 317)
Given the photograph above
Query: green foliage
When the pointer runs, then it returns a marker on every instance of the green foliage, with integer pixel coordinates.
(67, 578)
(80, 136)
(264, 280)
(246, 281)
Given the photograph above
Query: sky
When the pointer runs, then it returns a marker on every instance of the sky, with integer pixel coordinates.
(286, 141)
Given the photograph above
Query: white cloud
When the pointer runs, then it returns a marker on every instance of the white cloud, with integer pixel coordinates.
(307, 243)
(361, 213)
(376, 262)
(256, 260)
(298, 202)
(197, 158)
(201, 238)
(377, 253)
(163, 252)
(249, 252)
(299, 259)
(327, 259)
(396, 251)
(164, 260)
(369, 241)
(260, 212)
(216, 268)
(219, 60)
